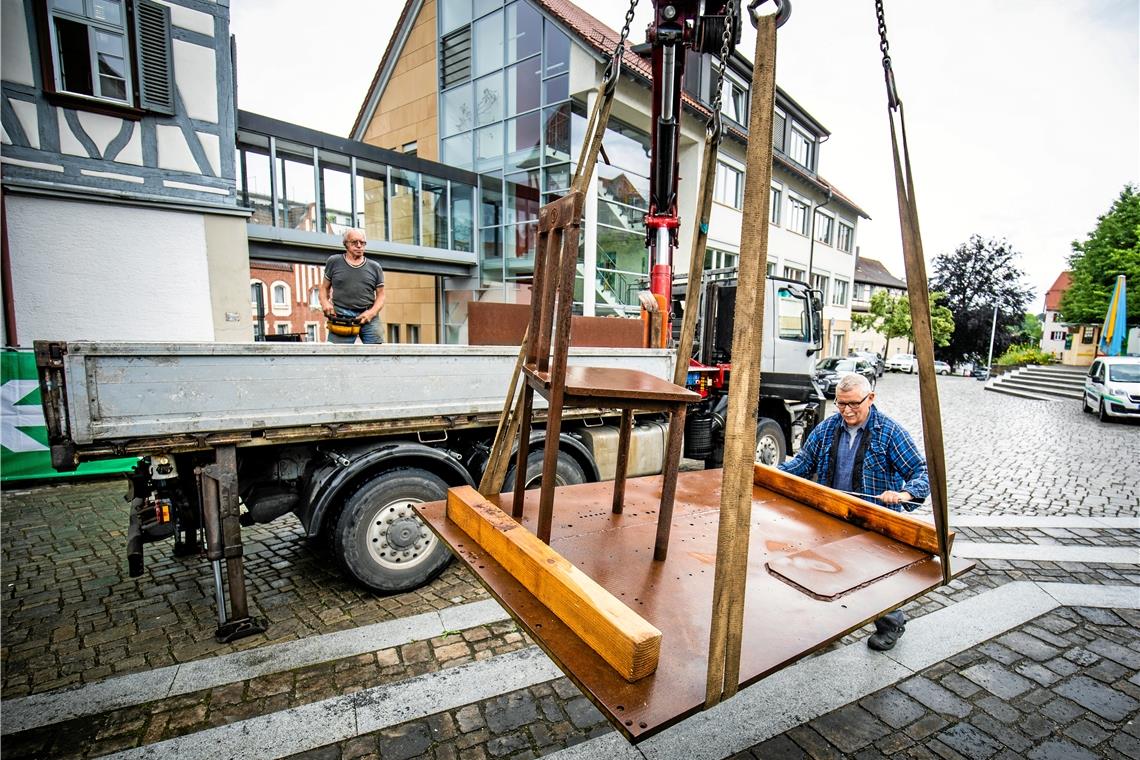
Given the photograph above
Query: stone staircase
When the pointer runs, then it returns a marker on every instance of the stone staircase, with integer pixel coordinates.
(1041, 383)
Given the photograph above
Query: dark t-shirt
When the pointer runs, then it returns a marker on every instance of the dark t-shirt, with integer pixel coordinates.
(353, 288)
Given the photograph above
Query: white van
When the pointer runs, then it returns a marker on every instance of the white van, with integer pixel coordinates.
(1112, 387)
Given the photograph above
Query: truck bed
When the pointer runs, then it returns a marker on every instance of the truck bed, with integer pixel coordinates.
(110, 399)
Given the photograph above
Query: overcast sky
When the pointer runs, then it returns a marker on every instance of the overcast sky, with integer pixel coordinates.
(1023, 116)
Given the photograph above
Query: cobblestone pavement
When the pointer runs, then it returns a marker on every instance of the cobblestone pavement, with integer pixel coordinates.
(1063, 685)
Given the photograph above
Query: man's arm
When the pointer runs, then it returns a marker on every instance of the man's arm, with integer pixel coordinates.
(806, 460)
(908, 461)
(326, 297)
(374, 310)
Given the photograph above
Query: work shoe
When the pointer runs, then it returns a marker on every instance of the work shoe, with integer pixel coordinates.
(888, 630)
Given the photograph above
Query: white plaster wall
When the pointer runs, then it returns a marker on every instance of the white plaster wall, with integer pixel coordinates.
(17, 54)
(195, 73)
(96, 271)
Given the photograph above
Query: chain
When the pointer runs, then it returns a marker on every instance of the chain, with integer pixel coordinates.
(725, 51)
(615, 62)
(885, 47)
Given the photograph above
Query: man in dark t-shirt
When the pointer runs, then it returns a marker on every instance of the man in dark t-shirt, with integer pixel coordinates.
(353, 286)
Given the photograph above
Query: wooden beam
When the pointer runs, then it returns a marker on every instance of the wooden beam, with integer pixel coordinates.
(909, 530)
(616, 633)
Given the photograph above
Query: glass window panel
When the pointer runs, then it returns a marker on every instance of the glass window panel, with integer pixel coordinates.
(556, 51)
(372, 202)
(792, 316)
(433, 212)
(489, 147)
(616, 184)
(523, 141)
(403, 205)
(622, 217)
(774, 203)
(623, 251)
(457, 151)
(556, 89)
(296, 193)
(524, 31)
(453, 14)
(491, 201)
(336, 200)
(457, 112)
(483, 6)
(72, 6)
(488, 52)
(556, 129)
(523, 87)
(110, 11)
(489, 99)
(74, 57)
(255, 187)
(557, 177)
(462, 217)
(113, 87)
(522, 238)
(522, 196)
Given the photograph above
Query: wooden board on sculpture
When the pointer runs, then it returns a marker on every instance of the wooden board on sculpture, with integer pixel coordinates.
(616, 633)
(782, 623)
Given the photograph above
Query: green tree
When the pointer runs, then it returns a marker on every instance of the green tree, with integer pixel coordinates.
(1028, 332)
(1112, 249)
(890, 317)
(978, 276)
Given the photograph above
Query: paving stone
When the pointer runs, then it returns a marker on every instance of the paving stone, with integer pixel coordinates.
(970, 742)
(1080, 657)
(935, 697)
(1002, 654)
(998, 709)
(1107, 671)
(997, 680)
(1037, 672)
(469, 718)
(815, 745)
(850, 728)
(925, 726)
(1123, 655)
(404, 741)
(1088, 734)
(1059, 750)
(1126, 744)
(1028, 646)
(1103, 700)
(1099, 616)
(582, 712)
(962, 687)
(510, 744)
(893, 708)
(511, 711)
(1062, 710)
(779, 748)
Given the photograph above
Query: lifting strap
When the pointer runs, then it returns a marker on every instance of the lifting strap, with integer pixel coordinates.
(919, 296)
(744, 391)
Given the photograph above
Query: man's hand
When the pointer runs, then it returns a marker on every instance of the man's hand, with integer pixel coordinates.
(895, 497)
(365, 317)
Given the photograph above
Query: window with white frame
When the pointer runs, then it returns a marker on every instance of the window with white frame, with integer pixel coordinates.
(281, 328)
(824, 224)
(393, 333)
(717, 259)
(311, 332)
(839, 293)
(729, 185)
(860, 292)
(775, 201)
(771, 268)
(838, 342)
(801, 146)
(94, 51)
(256, 292)
(819, 282)
(734, 100)
(846, 237)
(280, 294)
(794, 273)
(315, 298)
(798, 214)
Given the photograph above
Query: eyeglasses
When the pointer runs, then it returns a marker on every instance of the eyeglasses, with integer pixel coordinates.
(851, 404)
(357, 242)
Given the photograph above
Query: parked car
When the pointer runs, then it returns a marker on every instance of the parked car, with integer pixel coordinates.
(828, 371)
(942, 368)
(875, 360)
(981, 373)
(1112, 387)
(901, 363)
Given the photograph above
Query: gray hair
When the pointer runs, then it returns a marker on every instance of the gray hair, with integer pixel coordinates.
(853, 382)
(344, 237)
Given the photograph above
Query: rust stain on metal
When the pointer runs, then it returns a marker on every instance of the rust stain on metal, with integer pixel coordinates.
(782, 622)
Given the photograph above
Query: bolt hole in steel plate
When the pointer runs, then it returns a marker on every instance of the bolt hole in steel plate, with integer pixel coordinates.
(801, 594)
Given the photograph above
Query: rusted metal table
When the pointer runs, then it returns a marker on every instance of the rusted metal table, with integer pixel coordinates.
(812, 578)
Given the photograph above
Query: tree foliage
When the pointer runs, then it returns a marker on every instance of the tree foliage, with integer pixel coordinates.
(1028, 332)
(890, 317)
(979, 275)
(1112, 249)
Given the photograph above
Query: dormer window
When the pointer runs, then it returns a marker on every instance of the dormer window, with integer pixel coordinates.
(734, 100)
(801, 147)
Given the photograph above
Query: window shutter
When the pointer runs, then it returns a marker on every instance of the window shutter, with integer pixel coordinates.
(456, 52)
(155, 58)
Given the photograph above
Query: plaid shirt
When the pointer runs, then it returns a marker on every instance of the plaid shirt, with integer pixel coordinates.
(891, 461)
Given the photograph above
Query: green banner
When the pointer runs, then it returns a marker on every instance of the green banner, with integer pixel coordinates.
(23, 435)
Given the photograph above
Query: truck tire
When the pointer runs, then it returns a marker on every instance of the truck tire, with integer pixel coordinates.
(380, 541)
(568, 472)
(771, 446)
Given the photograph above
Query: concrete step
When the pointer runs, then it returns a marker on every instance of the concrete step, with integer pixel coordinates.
(1019, 393)
(1058, 370)
(1037, 387)
(1058, 376)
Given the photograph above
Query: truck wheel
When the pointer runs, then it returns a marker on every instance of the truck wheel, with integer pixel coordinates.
(568, 472)
(381, 541)
(771, 447)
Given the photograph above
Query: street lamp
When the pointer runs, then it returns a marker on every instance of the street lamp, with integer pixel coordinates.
(993, 332)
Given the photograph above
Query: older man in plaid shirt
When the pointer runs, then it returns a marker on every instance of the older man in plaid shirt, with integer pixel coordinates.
(862, 451)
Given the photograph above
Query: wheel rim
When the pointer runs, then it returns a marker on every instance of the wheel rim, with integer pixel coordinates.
(397, 538)
(767, 449)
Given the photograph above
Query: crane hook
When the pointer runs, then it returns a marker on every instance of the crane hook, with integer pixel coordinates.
(783, 11)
